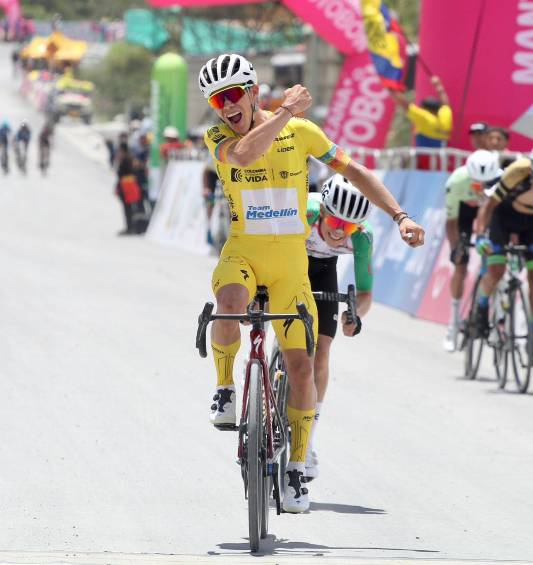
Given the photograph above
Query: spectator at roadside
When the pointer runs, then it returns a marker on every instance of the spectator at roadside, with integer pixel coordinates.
(499, 141)
(432, 120)
(498, 138)
(127, 188)
(141, 159)
(479, 135)
(171, 142)
(111, 151)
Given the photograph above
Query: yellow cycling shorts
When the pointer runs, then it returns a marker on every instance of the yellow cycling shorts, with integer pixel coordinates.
(280, 265)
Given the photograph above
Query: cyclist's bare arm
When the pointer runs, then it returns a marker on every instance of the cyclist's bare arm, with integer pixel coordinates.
(377, 193)
(484, 215)
(257, 141)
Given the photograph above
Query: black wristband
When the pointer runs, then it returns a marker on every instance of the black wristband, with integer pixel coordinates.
(400, 217)
(406, 217)
(285, 108)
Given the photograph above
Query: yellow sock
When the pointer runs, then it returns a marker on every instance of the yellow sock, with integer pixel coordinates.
(224, 357)
(300, 422)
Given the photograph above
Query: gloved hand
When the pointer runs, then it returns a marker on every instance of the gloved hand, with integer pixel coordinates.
(483, 245)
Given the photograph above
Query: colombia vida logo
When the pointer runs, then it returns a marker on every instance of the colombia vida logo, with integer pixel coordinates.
(248, 175)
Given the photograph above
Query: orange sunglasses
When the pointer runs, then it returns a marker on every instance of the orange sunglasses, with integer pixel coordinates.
(233, 94)
(337, 224)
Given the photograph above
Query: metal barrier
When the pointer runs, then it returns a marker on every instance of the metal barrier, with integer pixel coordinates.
(411, 158)
(397, 158)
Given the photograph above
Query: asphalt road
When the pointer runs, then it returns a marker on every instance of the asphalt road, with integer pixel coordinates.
(106, 450)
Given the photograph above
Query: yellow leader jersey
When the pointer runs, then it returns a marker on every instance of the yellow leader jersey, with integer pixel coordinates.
(269, 197)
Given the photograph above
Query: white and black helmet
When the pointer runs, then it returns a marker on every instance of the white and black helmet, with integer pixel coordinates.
(225, 70)
(483, 166)
(342, 199)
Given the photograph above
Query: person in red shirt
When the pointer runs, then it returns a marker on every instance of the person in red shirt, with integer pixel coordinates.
(171, 142)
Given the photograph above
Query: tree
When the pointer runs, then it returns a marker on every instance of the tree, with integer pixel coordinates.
(122, 79)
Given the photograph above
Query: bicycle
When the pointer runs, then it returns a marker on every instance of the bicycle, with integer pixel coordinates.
(262, 428)
(510, 324)
(5, 158)
(44, 157)
(278, 374)
(21, 155)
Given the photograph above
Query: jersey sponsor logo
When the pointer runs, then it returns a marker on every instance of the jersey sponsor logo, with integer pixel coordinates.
(284, 137)
(248, 175)
(265, 212)
(285, 148)
(214, 134)
(272, 211)
(286, 174)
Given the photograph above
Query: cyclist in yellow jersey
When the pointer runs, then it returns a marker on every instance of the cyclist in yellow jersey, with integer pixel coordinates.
(261, 160)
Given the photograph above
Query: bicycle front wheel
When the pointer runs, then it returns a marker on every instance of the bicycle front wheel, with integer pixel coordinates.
(473, 346)
(520, 339)
(255, 454)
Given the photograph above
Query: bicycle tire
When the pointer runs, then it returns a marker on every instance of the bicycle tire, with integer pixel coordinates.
(474, 344)
(280, 388)
(519, 339)
(254, 455)
(500, 324)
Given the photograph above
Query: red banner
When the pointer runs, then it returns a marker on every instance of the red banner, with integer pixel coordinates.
(361, 109)
(338, 22)
(487, 69)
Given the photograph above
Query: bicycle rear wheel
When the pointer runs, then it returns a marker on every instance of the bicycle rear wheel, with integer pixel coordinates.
(473, 345)
(519, 339)
(254, 455)
(499, 339)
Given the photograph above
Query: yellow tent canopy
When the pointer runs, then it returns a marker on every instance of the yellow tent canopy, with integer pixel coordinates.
(36, 49)
(57, 47)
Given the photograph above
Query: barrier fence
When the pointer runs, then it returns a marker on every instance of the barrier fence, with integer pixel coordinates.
(413, 280)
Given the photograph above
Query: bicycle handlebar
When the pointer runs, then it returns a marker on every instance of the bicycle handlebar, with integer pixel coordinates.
(255, 317)
(349, 298)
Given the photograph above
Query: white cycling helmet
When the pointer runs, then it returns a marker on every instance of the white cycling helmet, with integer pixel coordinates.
(225, 70)
(483, 165)
(343, 200)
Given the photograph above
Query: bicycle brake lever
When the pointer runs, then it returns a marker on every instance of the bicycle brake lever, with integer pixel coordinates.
(307, 320)
(203, 319)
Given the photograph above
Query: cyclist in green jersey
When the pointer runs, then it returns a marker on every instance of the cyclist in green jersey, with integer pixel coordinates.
(339, 225)
(464, 195)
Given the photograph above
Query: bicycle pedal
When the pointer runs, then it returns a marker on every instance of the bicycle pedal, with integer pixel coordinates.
(227, 427)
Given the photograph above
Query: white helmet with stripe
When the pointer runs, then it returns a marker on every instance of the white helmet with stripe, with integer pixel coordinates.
(343, 200)
(226, 70)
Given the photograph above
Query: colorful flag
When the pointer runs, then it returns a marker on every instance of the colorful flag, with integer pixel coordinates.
(386, 43)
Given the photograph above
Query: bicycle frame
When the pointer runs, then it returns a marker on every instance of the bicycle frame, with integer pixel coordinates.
(257, 353)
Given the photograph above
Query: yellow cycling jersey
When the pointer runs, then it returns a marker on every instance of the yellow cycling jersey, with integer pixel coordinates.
(269, 197)
(516, 179)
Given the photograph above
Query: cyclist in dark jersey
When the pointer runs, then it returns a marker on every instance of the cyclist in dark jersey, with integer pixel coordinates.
(508, 211)
(45, 141)
(5, 132)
